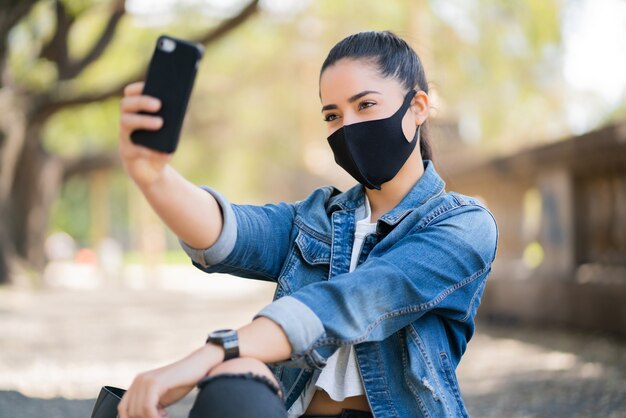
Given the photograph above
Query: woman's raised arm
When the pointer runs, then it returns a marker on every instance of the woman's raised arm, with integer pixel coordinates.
(190, 212)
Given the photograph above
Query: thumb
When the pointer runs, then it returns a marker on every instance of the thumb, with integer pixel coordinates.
(162, 412)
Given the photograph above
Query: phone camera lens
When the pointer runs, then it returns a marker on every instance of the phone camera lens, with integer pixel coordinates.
(167, 45)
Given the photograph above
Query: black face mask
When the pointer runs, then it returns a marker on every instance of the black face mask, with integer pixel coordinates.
(374, 151)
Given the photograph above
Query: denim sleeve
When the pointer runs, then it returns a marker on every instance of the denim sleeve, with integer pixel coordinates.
(225, 243)
(254, 241)
(441, 266)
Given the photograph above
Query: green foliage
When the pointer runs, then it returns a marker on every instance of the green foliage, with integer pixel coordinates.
(79, 7)
(493, 65)
(70, 212)
(83, 130)
(503, 69)
(25, 42)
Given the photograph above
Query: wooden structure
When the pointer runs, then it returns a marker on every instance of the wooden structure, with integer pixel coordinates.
(561, 211)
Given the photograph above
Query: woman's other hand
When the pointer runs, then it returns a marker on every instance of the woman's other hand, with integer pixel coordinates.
(142, 164)
(154, 390)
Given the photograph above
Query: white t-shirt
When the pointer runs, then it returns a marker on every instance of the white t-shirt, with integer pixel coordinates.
(340, 377)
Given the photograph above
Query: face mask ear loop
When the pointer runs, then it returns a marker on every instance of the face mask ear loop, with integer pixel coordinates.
(410, 95)
(417, 135)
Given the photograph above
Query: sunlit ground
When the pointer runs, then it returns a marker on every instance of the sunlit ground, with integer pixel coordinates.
(60, 345)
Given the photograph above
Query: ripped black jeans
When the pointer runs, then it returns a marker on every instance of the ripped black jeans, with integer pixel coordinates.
(242, 395)
(247, 395)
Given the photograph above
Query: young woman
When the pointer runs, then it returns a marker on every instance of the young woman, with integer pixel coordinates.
(377, 287)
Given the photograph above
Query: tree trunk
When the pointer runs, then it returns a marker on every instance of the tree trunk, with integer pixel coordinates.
(13, 135)
(5, 251)
(37, 182)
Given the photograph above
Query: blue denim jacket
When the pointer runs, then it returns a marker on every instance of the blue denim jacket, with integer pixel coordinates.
(408, 308)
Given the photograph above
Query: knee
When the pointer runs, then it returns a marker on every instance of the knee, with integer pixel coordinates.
(239, 388)
(243, 365)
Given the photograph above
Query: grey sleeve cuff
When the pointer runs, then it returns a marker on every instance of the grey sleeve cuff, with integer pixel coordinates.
(218, 252)
(303, 329)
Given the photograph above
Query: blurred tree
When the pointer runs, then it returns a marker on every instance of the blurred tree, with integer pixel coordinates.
(38, 81)
(498, 65)
(254, 129)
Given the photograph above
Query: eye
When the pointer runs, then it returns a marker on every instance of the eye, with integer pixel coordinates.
(366, 104)
(329, 117)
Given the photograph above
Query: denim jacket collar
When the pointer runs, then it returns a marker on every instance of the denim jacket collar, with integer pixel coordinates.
(428, 186)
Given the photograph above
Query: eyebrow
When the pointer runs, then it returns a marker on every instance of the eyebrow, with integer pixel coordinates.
(352, 99)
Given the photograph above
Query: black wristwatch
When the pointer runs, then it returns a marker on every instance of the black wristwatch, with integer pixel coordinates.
(228, 339)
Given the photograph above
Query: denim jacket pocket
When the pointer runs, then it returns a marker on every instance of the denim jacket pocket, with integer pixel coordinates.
(312, 249)
(309, 262)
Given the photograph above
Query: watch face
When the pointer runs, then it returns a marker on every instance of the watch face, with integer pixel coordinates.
(223, 333)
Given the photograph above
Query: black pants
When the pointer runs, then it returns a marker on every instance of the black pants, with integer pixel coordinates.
(240, 395)
(247, 396)
(243, 395)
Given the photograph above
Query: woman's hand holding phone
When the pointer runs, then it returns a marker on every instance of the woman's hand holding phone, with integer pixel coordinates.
(190, 212)
(144, 165)
(150, 122)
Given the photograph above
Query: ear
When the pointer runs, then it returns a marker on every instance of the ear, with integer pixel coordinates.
(420, 107)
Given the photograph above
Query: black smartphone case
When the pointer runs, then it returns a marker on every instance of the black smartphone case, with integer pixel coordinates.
(170, 78)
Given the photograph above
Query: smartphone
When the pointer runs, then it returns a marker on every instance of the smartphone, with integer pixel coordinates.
(170, 77)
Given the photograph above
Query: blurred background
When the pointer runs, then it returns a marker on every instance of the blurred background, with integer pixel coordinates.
(529, 114)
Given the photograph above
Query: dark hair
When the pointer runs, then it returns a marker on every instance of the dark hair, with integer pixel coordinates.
(393, 57)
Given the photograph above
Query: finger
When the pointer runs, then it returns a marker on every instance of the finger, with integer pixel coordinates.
(133, 121)
(122, 407)
(145, 405)
(140, 402)
(132, 104)
(134, 407)
(134, 88)
(131, 400)
(150, 409)
(134, 401)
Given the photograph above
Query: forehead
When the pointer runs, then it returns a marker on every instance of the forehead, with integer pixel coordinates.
(347, 77)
